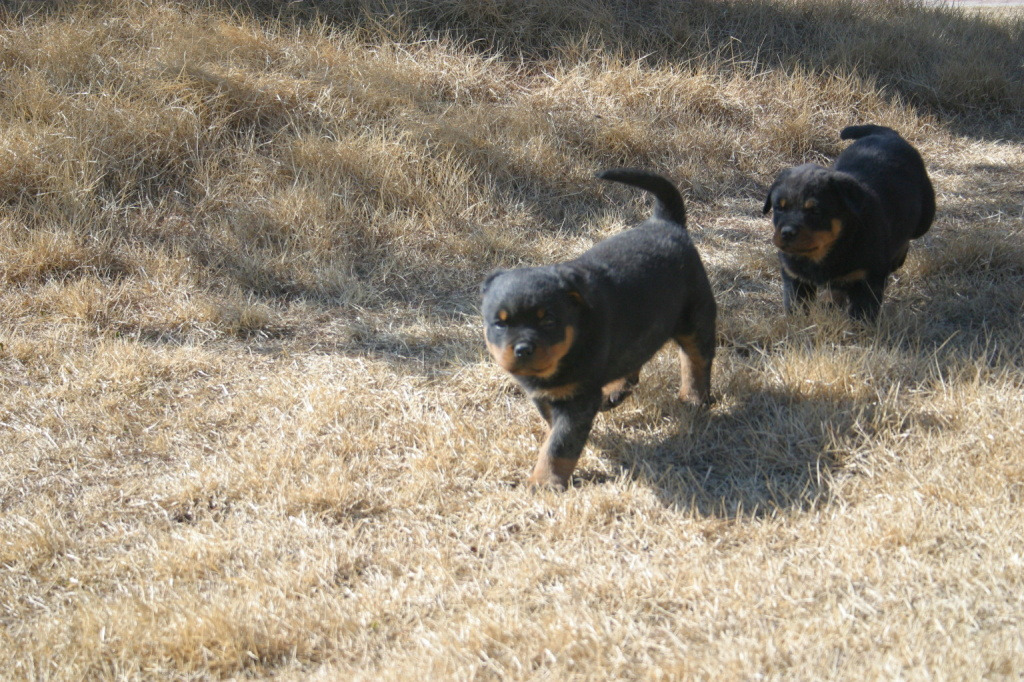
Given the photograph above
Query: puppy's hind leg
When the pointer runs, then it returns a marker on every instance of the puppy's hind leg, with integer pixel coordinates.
(866, 298)
(696, 352)
(618, 390)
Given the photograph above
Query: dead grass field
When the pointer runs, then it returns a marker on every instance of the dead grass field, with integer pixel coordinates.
(249, 428)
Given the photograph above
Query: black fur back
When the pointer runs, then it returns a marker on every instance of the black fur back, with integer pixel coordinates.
(857, 132)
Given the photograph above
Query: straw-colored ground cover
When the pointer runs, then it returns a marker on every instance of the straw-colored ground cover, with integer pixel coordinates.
(248, 426)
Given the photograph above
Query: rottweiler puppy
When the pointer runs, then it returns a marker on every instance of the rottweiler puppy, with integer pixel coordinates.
(575, 334)
(846, 228)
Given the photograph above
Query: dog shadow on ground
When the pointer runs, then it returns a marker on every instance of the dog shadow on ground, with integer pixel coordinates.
(764, 451)
(755, 453)
(760, 451)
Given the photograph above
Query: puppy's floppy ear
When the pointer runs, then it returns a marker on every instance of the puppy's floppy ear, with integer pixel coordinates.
(850, 192)
(768, 201)
(771, 190)
(490, 278)
(576, 283)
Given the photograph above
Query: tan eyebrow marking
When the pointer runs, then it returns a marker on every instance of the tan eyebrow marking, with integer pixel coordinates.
(503, 315)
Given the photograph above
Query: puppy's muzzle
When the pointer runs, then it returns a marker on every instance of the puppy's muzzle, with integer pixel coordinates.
(524, 349)
(788, 233)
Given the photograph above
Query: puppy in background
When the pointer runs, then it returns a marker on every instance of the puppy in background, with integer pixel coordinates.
(846, 228)
(575, 334)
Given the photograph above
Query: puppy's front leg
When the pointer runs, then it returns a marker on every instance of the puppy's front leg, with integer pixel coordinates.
(570, 422)
(796, 294)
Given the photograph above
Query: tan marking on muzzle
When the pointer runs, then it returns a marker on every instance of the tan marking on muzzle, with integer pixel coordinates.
(503, 355)
(811, 244)
(547, 358)
(542, 364)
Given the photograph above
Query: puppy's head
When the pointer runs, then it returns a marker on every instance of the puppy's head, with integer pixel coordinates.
(811, 207)
(531, 318)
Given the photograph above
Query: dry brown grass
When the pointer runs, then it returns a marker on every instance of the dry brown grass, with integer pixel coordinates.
(249, 428)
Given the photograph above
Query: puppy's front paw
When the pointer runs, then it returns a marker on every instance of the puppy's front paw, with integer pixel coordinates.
(552, 473)
(696, 397)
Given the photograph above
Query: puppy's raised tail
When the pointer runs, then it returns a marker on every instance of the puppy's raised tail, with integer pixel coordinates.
(857, 132)
(669, 204)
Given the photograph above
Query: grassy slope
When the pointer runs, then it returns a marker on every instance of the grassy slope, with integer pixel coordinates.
(248, 426)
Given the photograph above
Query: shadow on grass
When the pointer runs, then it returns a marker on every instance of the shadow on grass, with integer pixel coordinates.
(953, 63)
(768, 451)
(910, 51)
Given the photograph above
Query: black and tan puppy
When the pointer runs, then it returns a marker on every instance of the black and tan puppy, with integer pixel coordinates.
(576, 334)
(846, 228)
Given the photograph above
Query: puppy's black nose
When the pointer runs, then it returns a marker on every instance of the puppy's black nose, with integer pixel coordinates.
(523, 349)
(788, 233)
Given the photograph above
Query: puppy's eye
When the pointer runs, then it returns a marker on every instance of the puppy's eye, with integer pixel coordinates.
(548, 323)
(500, 324)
